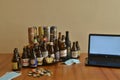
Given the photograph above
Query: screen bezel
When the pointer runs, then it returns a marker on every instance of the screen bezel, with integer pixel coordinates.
(104, 55)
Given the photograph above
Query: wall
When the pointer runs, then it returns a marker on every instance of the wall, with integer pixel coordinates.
(80, 17)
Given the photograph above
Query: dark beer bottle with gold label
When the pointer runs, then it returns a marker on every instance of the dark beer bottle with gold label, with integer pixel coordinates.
(74, 51)
(15, 61)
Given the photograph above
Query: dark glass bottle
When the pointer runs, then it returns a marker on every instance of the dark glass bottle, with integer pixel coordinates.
(33, 59)
(68, 45)
(25, 58)
(74, 51)
(63, 52)
(56, 51)
(39, 57)
(78, 48)
(16, 65)
(59, 39)
(44, 50)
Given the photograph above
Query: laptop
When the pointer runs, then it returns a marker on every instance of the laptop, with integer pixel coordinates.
(103, 50)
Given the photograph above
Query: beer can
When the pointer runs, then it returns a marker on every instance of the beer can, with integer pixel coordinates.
(40, 32)
(47, 33)
(31, 35)
(53, 33)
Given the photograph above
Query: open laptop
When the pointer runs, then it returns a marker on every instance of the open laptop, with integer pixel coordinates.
(103, 50)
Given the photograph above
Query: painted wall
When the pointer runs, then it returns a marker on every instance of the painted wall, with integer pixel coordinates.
(80, 17)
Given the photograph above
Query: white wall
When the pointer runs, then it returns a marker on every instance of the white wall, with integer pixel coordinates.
(80, 17)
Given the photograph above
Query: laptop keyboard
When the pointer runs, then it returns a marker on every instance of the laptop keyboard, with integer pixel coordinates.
(105, 62)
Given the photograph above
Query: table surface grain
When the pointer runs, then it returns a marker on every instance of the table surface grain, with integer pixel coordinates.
(64, 72)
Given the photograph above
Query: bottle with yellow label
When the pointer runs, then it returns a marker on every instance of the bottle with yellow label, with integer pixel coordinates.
(15, 62)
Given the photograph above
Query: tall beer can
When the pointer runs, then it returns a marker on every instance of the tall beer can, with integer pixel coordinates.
(47, 32)
(31, 35)
(40, 32)
(53, 33)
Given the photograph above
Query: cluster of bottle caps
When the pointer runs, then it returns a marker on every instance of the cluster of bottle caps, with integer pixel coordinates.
(45, 48)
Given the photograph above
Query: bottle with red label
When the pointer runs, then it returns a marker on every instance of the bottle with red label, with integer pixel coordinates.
(25, 58)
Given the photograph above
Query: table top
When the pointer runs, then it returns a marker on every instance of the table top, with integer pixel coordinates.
(64, 72)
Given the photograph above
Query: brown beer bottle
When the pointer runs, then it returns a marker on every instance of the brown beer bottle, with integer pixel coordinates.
(44, 50)
(33, 59)
(63, 51)
(78, 48)
(56, 51)
(25, 58)
(39, 57)
(16, 66)
(74, 51)
(59, 39)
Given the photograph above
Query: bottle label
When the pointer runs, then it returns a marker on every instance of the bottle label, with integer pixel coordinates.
(57, 55)
(78, 52)
(63, 53)
(33, 62)
(45, 53)
(74, 54)
(25, 62)
(40, 60)
(15, 65)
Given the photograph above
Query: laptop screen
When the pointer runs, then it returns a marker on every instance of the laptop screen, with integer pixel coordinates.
(104, 44)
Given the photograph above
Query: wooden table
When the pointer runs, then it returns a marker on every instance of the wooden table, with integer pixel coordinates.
(64, 72)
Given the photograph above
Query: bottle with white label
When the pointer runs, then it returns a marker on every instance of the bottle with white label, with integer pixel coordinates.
(63, 51)
(74, 51)
(25, 58)
(39, 57)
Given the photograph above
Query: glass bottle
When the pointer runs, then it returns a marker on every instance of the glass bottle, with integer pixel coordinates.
(15, 61)
(68, 45)
(63, 52)
(39, 57)
(25, 58)
(78, 48)
(44, 49)
(56, 51)
(33, 59)
(59, 39)
(74, 51)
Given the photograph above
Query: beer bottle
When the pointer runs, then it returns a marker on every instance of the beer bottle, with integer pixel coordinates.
(25, 58)
(59, 39)
(63, 51)
(33, 59)
(56, 51)
(63, 38)
(78, 48)
(39, 57)
(74, 51)
(50, 58)
(68, 45)
(44, 49)
(15, 61)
